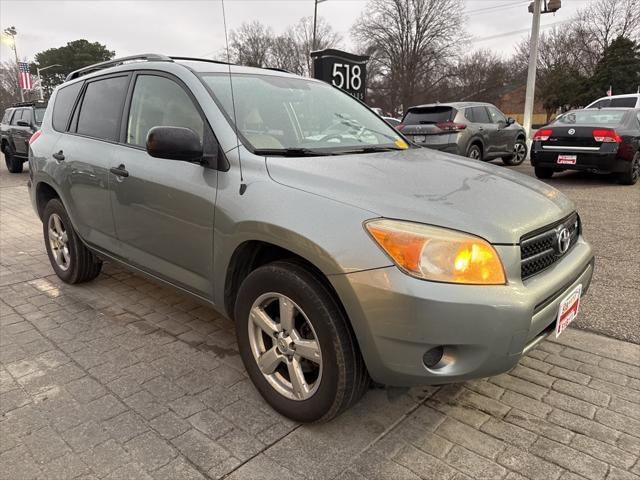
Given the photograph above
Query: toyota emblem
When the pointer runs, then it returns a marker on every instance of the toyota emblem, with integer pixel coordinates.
(572, 131)
(564, 240)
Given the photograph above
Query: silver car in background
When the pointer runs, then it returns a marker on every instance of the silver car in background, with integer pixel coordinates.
(342, 253)
(470, 129)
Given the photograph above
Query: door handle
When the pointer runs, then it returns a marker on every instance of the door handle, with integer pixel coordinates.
(119, 171)
(59, 156)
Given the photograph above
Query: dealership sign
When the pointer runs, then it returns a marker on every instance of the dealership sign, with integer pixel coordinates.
(342, 69)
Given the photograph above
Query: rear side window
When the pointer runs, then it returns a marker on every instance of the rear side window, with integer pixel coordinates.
(626, 102)
(429, 115)
(39, 114)
(159, 101)
(7, 115)
(16, 116)
(101, 109)
(601, 103)
(65, 98)
(478, 115)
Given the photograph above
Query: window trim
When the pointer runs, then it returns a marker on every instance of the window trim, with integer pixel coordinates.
(78, 106)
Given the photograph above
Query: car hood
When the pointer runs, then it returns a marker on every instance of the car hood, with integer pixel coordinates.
(430, 187)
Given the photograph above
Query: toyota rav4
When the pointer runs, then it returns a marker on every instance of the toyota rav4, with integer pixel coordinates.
(342, 252)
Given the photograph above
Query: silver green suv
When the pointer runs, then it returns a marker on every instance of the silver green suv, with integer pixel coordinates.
(342, 252)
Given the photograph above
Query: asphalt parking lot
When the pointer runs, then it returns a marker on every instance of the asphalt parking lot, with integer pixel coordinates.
(122, 378)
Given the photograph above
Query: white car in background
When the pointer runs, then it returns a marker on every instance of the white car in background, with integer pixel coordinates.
(631, 100)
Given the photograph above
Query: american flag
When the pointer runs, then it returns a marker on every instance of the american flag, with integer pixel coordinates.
(26, 80)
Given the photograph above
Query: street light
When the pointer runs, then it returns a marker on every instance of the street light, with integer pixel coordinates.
(12, 32)
(38, 70)
(550, 6)
(315, 23)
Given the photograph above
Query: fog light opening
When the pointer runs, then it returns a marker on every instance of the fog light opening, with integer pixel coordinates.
(433, 356)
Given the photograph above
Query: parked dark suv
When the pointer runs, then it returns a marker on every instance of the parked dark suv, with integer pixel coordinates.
(471, 129)
(19, 122)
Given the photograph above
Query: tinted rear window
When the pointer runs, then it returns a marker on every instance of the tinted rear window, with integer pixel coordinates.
(101, 109)
(592, 117)
(429, 115)
(65, 99)
(627, 102)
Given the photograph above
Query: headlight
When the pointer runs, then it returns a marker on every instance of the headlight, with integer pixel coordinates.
(438, 254)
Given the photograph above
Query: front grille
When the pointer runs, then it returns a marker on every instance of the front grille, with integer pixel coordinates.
(542, 248)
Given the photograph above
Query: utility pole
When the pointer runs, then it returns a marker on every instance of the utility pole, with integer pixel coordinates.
(315, 23)
(533, 63)
(550, 6)
(12, 32)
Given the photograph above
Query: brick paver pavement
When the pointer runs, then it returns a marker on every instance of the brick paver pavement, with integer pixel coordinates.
(122, 378)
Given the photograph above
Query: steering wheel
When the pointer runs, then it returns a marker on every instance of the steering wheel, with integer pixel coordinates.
(331, 136)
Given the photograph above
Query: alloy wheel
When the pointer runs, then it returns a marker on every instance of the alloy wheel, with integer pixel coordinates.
(285, 346)
(59, 242)
(474, 153)
(519, 152)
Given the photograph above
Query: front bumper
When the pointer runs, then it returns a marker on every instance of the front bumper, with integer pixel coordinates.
(484, 329)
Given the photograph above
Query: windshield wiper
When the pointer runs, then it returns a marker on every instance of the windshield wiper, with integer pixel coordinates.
(372, 149)
(291, 152)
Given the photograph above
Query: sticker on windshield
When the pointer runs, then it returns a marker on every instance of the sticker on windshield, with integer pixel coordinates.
(401, 144)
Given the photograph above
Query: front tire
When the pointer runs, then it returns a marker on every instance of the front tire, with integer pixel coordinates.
(543, 173)
(72, 261)
(519, 153)
(630, 177)
(14, 165)
(296, 344)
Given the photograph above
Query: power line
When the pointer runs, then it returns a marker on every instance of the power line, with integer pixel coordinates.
(515, 32)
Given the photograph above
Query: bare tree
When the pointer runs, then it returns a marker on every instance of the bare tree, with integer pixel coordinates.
(251, 44)
(605, 20)
(286, 54)
(413, 42)
(479, 76)
(302, 35)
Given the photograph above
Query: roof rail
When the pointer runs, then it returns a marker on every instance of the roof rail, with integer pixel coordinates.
(148, 57)
(194, 59)
(28, 104)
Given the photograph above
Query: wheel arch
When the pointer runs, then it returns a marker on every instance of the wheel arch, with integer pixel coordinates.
(44, 193)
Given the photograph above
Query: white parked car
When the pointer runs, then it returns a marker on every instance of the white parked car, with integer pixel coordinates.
(631, 100)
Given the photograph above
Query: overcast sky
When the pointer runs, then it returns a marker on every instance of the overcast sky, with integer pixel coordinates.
(195, 27)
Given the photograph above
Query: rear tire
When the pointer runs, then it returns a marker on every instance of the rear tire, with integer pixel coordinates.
(72, 261)
(14, 165)
(519, 153)
(475, 152)
(630, 177)
(334, 380)
(542, 172)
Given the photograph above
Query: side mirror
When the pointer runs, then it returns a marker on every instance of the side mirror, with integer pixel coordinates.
(510, 121)
(22, 123)
(174, 143)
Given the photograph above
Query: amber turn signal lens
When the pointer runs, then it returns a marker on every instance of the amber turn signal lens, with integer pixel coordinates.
(438, 254)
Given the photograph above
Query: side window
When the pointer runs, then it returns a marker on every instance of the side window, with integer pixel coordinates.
(468, 114)
(65, 98)
(16, 116)
(496, 115)
(480, 115)
(624, 102)
(101, 109)
(159, 101)
(7, 115)
(27, 116)
(601, 103)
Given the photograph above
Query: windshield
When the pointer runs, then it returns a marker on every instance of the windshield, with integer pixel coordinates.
(39, 112)
(592, 117)
(276, 114)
